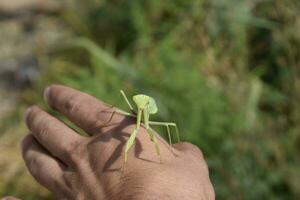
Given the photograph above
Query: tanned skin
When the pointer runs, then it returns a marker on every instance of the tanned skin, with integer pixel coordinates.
(77, 167)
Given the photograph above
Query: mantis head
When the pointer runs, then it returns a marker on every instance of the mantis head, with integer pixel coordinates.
(145, 102)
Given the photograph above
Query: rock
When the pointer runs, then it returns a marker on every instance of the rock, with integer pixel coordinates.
(27, 30)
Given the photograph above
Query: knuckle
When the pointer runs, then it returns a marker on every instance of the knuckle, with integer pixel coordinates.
(33, 166)
(36, 120)
(72, 104)
(44, 127)
(95, 123)
(55, 183)
(193, 149)
(76, 152)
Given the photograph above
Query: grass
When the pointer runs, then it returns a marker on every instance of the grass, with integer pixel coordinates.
(227, 72)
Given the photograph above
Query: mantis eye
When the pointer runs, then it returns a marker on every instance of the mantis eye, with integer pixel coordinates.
(152, 108)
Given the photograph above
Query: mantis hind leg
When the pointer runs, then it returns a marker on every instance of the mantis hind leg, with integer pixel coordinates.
(167, 124)
(177, 132)
(169, 135)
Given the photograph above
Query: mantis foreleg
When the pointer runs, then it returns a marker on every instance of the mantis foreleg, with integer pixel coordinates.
(129, 143)
(127, 101)
(125, 113)
(132, 137)
(151, 132)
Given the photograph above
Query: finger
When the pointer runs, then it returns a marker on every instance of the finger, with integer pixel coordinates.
(189, 148)
(52, 134)
(84, 110)
(47, 170)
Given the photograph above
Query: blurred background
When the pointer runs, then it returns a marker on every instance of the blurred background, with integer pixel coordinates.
(226, 71)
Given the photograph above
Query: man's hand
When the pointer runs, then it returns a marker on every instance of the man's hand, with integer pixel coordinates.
(72, 166)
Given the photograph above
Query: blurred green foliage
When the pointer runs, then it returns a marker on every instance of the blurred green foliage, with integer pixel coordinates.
(226, 71)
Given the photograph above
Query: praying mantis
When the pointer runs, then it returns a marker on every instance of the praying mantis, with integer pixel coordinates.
(145, 106)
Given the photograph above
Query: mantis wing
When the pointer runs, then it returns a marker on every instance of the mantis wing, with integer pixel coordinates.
(152, 108)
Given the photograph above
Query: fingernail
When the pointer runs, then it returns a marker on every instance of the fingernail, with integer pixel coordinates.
(46, 94)
(26, 114)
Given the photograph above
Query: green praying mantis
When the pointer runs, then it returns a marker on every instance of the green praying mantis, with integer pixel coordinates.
(145, 106)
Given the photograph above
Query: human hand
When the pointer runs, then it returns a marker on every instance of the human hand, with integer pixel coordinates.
(75, 167)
